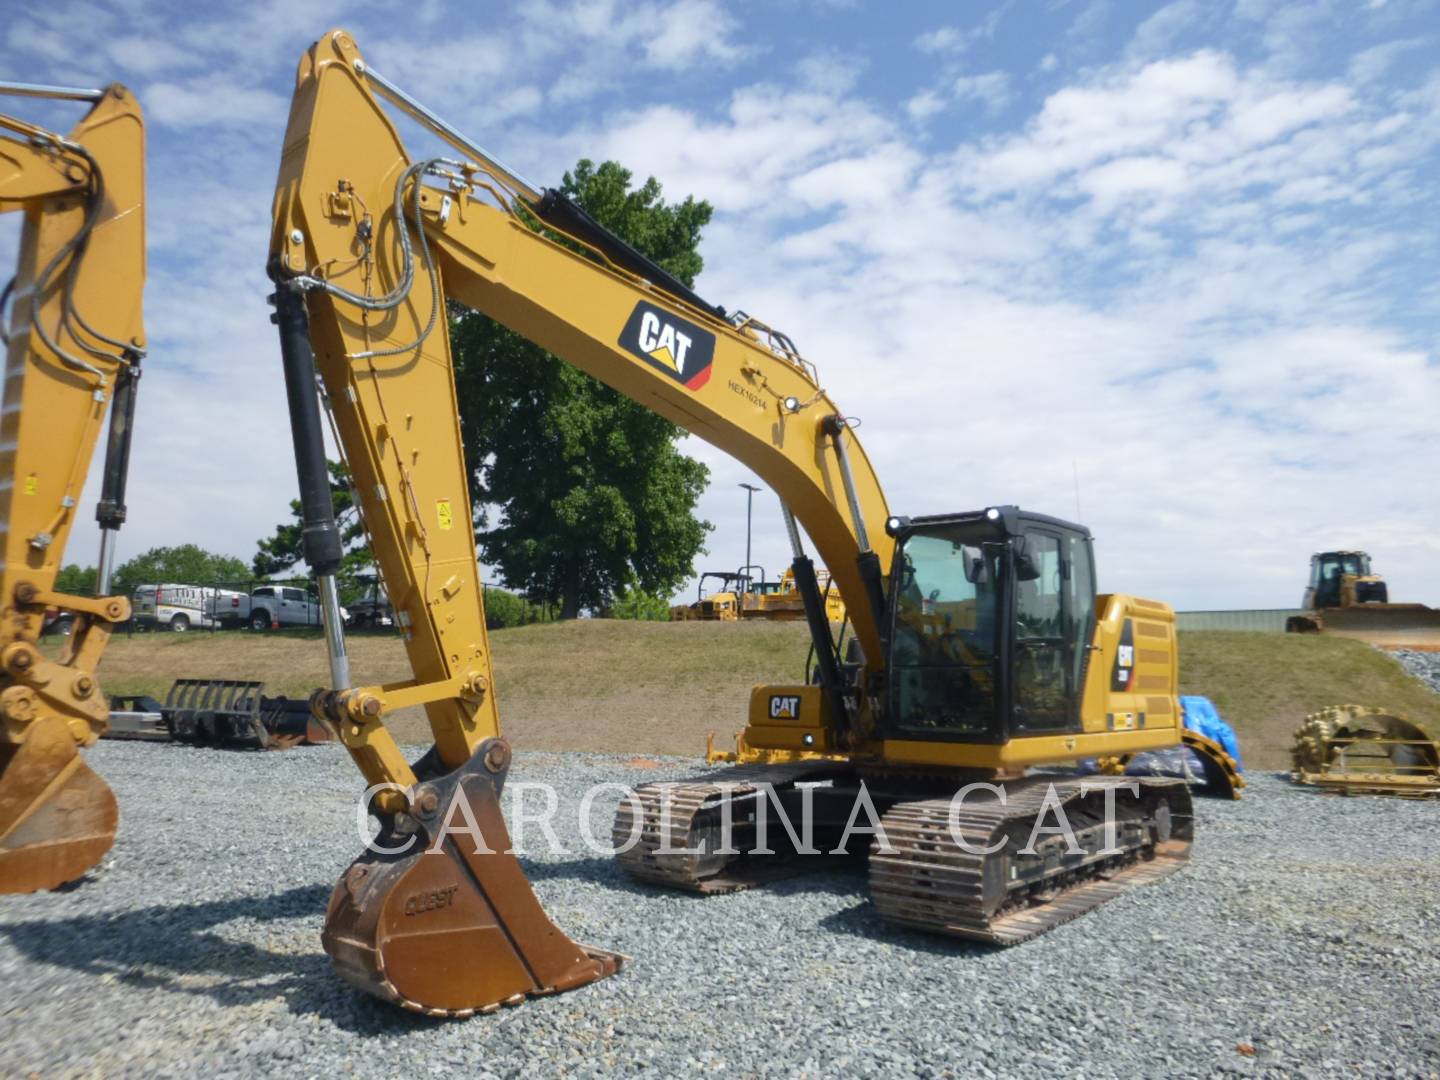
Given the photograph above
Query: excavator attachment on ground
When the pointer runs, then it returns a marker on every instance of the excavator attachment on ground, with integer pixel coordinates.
(74, 344)
(1363, 750)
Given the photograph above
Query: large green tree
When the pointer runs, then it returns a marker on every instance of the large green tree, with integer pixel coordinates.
(284, 549)
(76, 580)
(186, 564)
(582, 492)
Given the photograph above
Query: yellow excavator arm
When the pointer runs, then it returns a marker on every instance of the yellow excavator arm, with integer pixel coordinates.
(74, 342)
(367, 245)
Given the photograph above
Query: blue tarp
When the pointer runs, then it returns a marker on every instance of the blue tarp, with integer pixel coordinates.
(1200, 715)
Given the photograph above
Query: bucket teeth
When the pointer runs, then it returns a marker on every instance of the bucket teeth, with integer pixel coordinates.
(452, 928)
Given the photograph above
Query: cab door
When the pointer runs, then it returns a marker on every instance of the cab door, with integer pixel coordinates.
(1054, 598)
(293, 610)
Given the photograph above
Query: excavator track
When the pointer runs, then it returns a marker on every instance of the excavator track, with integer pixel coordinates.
(677, 817)
(928, 881)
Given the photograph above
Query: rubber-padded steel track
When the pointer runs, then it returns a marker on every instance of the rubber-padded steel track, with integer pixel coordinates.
(928, 881)
(671, 825)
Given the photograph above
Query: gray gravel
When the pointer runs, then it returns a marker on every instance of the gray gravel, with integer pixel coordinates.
(1306, 928)
(1425, 666)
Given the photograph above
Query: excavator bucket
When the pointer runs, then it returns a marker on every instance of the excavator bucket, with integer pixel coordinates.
(57, 818)
(438, 916)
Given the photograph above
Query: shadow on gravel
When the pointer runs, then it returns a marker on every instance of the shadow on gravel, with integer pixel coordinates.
(176, 948)
(832, 876)
(863, 921)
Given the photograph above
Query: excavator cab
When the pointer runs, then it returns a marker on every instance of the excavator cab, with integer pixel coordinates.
(990, 616)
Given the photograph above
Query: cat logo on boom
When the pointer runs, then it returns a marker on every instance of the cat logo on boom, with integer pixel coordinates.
(674, 345)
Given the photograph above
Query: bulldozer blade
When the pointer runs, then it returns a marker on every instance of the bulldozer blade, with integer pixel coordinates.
(450, 926)
(57, 817)
(1389, 626)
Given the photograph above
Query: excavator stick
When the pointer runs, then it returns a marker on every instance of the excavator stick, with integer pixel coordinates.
(448, 925)
(57, 817)
(75, 340)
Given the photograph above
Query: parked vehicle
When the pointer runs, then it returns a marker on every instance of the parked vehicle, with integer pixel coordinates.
(177, 607)
(371, 607)
(268, 606)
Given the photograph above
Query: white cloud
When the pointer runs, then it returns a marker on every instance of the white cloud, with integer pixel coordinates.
(941, 39)
(992, 89)
(690, 31)
(212, 100)
(1198, 281)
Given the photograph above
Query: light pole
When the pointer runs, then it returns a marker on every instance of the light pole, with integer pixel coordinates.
(750, 490)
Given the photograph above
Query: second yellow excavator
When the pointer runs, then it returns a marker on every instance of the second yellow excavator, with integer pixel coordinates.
(981, 647)
(74, 342)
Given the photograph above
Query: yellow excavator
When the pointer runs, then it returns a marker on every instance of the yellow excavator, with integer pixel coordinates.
(74, 342)
(980, 644)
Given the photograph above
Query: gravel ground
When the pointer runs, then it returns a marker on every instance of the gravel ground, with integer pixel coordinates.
(1306, 928)
(1425, 666)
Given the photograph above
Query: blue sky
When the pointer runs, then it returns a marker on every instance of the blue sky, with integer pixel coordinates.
(1174, 265)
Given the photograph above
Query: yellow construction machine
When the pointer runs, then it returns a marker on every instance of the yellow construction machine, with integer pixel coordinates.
(785, 604)
(722, 604)
(1346, 598)
(981, 646)
(74, 344)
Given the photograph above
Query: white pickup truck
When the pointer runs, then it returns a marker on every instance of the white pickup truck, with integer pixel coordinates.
(269, 606)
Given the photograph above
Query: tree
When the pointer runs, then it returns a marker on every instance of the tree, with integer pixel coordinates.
(284, 550)
(187, 564)
(582, 492)
(76, 580)
(639, 605)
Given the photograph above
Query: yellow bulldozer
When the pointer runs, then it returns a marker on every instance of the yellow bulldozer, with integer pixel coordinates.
(720, 604)
(1345, 597)
(783, 602)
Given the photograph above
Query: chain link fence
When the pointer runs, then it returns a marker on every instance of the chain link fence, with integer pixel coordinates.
(260, 605)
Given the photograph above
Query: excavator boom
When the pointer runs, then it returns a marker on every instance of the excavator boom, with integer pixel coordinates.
(74, 343)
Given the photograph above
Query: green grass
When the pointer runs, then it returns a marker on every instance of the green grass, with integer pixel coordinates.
(651, 688)
(1266, 684)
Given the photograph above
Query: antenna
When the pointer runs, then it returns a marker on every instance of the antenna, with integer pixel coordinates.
(1075, 468)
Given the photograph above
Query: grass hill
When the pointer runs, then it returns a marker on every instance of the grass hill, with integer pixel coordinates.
(657, 688)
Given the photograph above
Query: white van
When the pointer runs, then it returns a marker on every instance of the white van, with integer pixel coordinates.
(177, 607)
